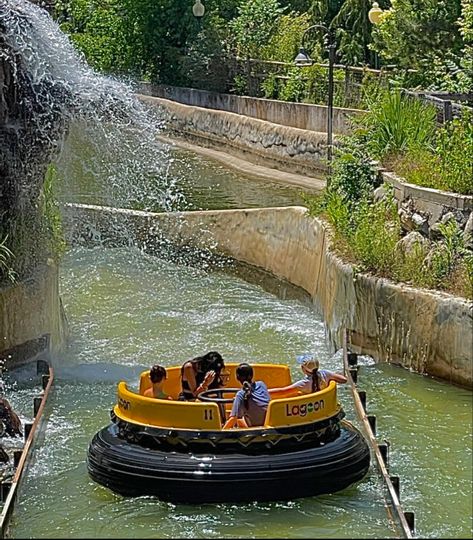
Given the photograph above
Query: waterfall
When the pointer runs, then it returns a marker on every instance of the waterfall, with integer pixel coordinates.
(92, 126)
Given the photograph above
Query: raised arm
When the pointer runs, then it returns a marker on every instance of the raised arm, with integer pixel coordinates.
(292, 389)
(190, 377)
(337, 377)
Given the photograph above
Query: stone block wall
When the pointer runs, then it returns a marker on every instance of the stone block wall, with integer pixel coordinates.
(32, 319)
(264, 143)
(286, 113)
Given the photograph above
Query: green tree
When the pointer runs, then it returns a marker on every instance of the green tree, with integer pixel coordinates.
(254, 25)
(349, 18)
(96, 30)
(414, 33)
(286, 38)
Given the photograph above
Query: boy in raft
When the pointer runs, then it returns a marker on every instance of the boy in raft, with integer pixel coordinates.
(157, 375)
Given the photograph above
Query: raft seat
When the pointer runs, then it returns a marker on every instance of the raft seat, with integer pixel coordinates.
(274, 375)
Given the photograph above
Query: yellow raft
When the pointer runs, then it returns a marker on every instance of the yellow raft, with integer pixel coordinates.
(179, 452)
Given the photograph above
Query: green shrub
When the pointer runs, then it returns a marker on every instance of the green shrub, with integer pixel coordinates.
(410, 267)
(240, 85)
(448, 165)
(446, 255)
(418, 166)
(454, 149)
(376, 232)
(270, 86)
(353, 173)
(395, 124)
(294, 89)
(467, 264)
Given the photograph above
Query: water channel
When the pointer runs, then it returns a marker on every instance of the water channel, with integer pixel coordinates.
(127, 310)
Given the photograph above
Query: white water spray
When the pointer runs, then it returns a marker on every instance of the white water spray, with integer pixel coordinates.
(110, 151)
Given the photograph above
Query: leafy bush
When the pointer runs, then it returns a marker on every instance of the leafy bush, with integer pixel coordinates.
(254, 26)
(452, 242)
(286, 38)
(375, 234)
(454, 149)
(240, 85)
(448, 165)
(294, 88)
(270, 86)
(396, 124)
(353, 172)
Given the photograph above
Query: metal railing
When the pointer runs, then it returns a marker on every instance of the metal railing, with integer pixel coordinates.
(404, 521)
(9, 490)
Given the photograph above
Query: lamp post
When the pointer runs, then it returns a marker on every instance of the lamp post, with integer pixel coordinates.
(375, 13)
(375, 16)
(198, 9)
(303, 59)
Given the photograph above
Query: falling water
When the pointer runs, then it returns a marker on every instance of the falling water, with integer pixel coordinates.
(102, 115)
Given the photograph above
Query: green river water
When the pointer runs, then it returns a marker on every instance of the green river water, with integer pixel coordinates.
(128, 310)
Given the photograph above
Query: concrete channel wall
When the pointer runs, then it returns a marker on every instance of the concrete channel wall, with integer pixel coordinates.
(421, 330)
(263, 143)
(32, 320)
(299, 115)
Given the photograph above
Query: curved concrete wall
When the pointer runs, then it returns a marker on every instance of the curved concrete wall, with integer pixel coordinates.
(282, 147)
(31, 315)
(421, 330)
(287, 113)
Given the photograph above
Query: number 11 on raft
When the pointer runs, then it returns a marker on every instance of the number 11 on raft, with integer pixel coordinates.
(208, 414)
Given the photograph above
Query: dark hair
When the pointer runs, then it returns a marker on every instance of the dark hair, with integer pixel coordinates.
(315, 380)
(244, 373)
(212, 361)
(157, 373)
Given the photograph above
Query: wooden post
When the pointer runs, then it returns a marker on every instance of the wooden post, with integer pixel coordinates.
(372, 421)
(354, 373)
(384, 449)
(362, 395)
(36, 404)
(396, 486)
(410, 518)
(447, 111)
(28, 427)
(352, 359)
(16, 457)
(4, 490)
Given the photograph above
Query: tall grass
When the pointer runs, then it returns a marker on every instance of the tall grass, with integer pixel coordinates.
(448, 165)
(396, 124)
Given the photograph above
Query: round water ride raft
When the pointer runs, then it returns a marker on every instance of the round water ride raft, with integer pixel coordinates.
(178, 451)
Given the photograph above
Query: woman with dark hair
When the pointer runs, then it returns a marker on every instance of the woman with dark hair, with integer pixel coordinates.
(315, 379)
(251, 402)
(201, 374)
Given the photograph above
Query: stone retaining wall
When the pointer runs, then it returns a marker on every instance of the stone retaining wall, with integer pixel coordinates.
(424, 331)
(286, 113)
(32, 318)
(264, 143)
(422, 208)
